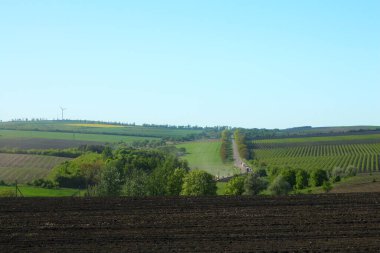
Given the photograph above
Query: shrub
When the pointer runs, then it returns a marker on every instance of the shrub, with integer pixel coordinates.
(289, 175)
(198, 183)
(235, 186)
(279, 186)
(253, 184)
(317, 177)
(302, 179)
(326, 186)
(44, 183)
(351, 171)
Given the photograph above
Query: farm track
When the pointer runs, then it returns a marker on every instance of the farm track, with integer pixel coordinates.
(332, 222)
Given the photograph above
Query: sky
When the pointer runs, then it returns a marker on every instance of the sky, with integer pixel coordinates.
(254, 64)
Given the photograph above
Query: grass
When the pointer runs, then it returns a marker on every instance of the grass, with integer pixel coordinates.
(30, 191)
(26, 168)
(221, 188)
(360, 183)
(11, 134)
(205, 155)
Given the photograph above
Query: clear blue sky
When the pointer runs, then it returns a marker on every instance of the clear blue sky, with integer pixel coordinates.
(266, 63)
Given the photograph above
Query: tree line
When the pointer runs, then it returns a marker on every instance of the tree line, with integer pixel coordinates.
(131, 172)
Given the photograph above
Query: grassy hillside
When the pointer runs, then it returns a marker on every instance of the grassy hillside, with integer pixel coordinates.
(98, 128)
(205, 155)
(14, 134)
(26, 168)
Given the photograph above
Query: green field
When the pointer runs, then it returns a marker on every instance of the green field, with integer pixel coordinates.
(11, 134)
(205, 155)
(30, 191)
(97, 128)
(361, 151)
(26, 168)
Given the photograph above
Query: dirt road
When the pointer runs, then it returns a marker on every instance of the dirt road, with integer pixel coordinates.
(238, 162)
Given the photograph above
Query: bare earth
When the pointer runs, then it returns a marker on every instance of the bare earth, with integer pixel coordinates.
(303, 223)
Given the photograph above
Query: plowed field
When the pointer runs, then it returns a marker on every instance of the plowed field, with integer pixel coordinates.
(322, 223)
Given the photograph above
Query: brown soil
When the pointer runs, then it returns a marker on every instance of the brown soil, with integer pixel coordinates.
(304, 223)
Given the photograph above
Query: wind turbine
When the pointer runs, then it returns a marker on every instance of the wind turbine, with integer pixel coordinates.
(62, 109)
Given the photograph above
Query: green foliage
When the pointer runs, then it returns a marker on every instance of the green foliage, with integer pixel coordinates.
(289, 176)
(45, 183)
(327, 186)
(351, 171)
(107, 153)
(302, 179)
(317, 177)
(198, 183)
(78, 173)
(261, 171)
(273, 172)
(226, 147)
(136, 184)
(235, 186)
(241, 142)
(110, 183)
(175, 182)
(279, 186)
(254, 184)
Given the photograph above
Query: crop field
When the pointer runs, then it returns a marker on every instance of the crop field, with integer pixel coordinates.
(26, 168)
(98, 129)
(361, 151)
(205, 155)
(8, 135)
(273, 143)
(303, 223)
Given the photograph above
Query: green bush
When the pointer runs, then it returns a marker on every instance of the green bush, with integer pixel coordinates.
(198, 183)
(254, 184)
(302, 179)
(235, 186)
(289, 175)
(279, 186)
(175, 182)
(317, 177)
(110, 183)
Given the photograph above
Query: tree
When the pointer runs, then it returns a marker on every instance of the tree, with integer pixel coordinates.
(136, 184)
(175, 182)
(279, 186)
(317, 177)
(110, 182)
(302, 179)
(254, 184)
(198, 183)
(289, 175)
(235, 186)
